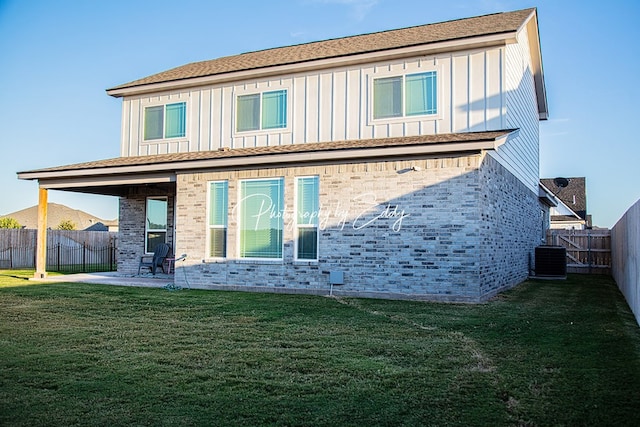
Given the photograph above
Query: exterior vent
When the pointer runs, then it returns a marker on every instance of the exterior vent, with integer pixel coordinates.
(551, 261)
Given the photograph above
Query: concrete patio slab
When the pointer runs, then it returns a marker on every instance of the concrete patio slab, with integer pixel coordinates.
(112, 278)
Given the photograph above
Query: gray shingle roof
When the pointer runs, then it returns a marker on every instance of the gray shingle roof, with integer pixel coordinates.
(176, 158)
(497, 23)
(574, 195)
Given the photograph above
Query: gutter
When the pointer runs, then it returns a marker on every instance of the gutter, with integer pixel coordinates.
(94, 178)
(151, 170)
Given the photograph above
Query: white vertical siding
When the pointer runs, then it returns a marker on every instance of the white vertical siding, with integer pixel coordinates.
(353, 104)
(226, 118)
(214, 120)
(325, 95)
(460, 106)
(194, 127)
(125, 130)
(312, 109)
(521, 155)
(334, 104)
(339, 111)
(477, 92)
(494, 90)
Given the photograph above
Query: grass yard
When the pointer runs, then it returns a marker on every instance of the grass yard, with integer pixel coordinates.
(545, 353)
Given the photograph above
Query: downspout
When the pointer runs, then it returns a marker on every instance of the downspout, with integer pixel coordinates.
(41, 242)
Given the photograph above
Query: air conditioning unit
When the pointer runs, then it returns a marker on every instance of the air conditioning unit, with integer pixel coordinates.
(551, 261)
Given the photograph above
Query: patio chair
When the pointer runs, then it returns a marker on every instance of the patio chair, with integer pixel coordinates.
(156, 260)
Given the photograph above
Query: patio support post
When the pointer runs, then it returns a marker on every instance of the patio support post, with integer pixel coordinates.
(41, 242)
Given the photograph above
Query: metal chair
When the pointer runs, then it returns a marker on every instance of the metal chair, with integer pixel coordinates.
(155, 261)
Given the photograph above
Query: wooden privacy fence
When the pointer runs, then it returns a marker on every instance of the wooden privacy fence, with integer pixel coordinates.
(67, 250)
(588, 251)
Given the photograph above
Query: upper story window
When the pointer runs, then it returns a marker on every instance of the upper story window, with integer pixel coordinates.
(165, 121)
(266, 110)
(408, 95)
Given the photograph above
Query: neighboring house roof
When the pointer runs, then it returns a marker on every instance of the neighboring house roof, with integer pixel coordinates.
(57, 213)
(98, 226)
(573, 195)
(498, 24)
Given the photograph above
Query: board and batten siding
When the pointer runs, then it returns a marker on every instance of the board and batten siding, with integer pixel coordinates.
(520, 155)
(332, 105)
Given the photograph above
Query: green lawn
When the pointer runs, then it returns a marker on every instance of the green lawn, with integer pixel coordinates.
(545, 353)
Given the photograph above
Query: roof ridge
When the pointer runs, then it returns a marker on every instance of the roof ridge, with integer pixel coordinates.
(364, 34)
(338, 47)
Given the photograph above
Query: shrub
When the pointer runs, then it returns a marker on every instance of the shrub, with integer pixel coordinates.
(66, 224)
(9, 222)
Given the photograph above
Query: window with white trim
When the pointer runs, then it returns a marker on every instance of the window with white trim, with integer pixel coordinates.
(155, 223)
(407, 95)
(307, 212)
(261, 111)
(217, 227)
(165, 121)
(261, 218)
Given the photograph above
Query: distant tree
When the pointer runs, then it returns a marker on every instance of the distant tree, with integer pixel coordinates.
(9, 222)
(66, 224)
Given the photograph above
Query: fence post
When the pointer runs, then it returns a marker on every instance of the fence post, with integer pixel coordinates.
(589, 249)
(84, 257)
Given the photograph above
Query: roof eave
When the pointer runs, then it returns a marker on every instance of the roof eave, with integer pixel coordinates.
(546, 196)
(166, 172)
(346, 60)
(535, 50)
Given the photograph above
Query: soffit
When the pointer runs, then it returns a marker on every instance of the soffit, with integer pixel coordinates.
(119, 176)
(271, 155)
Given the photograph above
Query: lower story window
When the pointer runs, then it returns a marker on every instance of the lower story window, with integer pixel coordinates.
(307, 211)
(218, 219)
(261, 212)
(156, 223)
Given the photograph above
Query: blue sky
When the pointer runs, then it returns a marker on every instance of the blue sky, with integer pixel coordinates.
(58, 57)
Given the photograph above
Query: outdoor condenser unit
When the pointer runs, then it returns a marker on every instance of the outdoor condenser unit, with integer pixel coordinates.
(551, 261)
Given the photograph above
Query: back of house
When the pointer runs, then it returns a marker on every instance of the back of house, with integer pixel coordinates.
(399, 164)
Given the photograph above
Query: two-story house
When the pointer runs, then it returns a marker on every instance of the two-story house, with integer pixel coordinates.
(399, 164)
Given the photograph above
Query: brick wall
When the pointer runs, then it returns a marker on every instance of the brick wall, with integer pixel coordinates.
(131, 234)
(512, 221)
(453, 229)
(393, 231)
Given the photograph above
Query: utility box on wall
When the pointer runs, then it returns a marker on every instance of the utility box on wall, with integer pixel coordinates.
(551, 261)
(336, 277)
